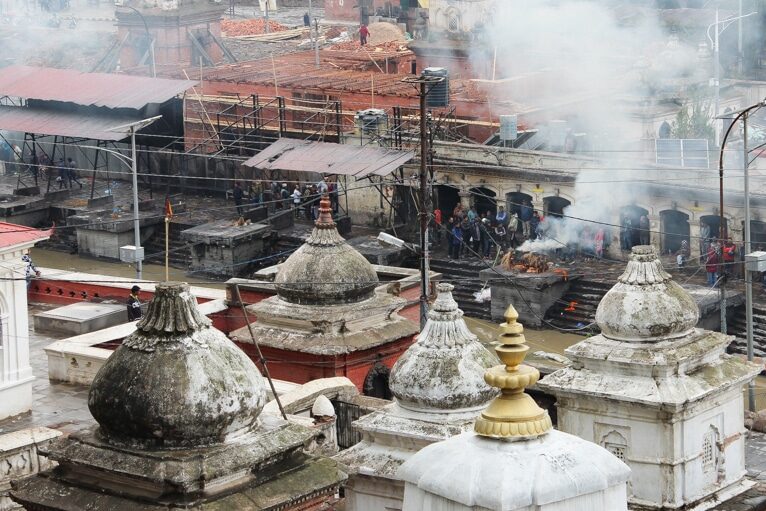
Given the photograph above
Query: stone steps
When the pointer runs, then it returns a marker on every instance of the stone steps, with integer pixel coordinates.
(464, 274)
(587, 294)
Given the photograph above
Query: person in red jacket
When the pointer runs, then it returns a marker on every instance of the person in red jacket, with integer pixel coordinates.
(438, 225)
(729, 257)
(364, 32)
(711, 264)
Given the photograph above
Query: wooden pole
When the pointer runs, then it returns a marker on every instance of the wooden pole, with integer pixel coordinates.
(167, 243)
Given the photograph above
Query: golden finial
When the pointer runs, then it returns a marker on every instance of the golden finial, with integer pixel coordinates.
(513, 414)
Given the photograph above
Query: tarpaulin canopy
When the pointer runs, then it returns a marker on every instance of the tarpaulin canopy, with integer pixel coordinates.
(327, 158)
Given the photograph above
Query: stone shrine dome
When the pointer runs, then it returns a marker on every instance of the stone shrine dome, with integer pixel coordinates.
(514, 460)
(646, 305)
(176, 381)
(325, 270)
(444, 369)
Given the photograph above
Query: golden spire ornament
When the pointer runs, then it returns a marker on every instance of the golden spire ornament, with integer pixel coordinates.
(513, 414)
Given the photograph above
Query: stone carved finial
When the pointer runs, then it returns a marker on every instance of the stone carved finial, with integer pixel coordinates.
(173, 310)
(644, 268)
(324, 220)
(325, 232)
(445, 326)
(513, 414)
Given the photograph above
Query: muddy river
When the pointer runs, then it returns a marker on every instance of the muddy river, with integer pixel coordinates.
(538, 340)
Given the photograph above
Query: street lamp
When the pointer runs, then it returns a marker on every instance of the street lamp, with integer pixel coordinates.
(715, 42)
(149, 35)
(132, 128)
(742, 114)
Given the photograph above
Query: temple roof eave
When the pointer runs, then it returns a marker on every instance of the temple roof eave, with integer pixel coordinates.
(675, 392)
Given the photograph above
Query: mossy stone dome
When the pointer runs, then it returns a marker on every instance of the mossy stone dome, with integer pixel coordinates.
(444, 369)
(646, 305)
(176, 382)
(326, 270)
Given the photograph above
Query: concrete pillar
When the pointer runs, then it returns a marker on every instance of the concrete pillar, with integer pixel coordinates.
(694, 238)
(465, 198)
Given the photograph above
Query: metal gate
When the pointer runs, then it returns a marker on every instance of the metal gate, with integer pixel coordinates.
(346, 413)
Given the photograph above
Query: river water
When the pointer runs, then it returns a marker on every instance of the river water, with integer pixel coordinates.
(552, 341)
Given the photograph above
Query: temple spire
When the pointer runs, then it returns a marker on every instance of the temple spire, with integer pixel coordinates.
(513, 414)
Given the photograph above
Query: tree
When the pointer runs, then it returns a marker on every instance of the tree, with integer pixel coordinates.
(693, 121)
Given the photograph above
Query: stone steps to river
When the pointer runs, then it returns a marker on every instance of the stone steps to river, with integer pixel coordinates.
(464, 275)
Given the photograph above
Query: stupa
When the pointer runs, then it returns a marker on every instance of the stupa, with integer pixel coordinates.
(513, 459)
(438, 389)
(178, 407)
(657, 392)
(330, 316)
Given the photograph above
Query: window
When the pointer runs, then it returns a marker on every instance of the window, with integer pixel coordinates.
(617, 450)
(709, 450)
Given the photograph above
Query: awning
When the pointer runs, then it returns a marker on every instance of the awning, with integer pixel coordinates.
(88, 89)
(327, 158)
(45, 121)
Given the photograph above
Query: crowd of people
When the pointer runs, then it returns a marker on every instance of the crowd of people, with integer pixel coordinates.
(300, 197)
(469, 232)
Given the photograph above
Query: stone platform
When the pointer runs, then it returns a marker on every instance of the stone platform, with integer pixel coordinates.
(80, 318)
(223, 248)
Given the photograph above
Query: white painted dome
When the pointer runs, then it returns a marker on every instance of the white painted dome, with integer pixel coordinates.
(474, 472)
(646, 305)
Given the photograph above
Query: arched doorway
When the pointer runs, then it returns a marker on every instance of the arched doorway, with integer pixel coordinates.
(713, 222)
(630, 234)
(514, 201)
(447, 197)
(376, 382)
(484, 200)
(757, 234)
(554, 206)
(674, 226)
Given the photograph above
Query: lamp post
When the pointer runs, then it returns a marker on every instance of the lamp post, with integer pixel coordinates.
(149, 35)
(714, 41)
(131, 128)
(743, 114)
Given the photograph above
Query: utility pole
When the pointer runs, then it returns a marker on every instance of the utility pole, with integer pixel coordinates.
(136, 220)
(748, 275)
(316, 42)
(423, 210)
(423, 82)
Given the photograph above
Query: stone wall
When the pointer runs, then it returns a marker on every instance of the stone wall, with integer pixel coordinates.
(19, 458)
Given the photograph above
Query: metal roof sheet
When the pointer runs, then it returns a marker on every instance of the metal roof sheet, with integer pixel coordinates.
(66, 124)
(13, 234)
(88, 89)
(328, 158)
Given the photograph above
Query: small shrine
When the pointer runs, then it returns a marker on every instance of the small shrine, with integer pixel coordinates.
(438, 388)
(330, 317)
(657, 392)
(178, 408)
(514, 459)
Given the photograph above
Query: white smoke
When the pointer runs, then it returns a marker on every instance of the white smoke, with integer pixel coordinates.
(596, 69)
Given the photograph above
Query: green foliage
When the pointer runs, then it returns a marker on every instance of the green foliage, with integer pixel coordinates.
(694, 121)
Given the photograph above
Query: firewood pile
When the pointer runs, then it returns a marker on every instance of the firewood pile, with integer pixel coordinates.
(529, 262)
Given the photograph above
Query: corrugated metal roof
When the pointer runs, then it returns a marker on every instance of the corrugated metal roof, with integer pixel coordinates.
(328, 158)
(13, 234)
(66, 124)
(88, 89)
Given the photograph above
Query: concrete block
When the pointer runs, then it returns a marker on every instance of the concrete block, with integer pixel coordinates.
(104, 200)
(27, 191)
(58, 194)
(80, 318)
